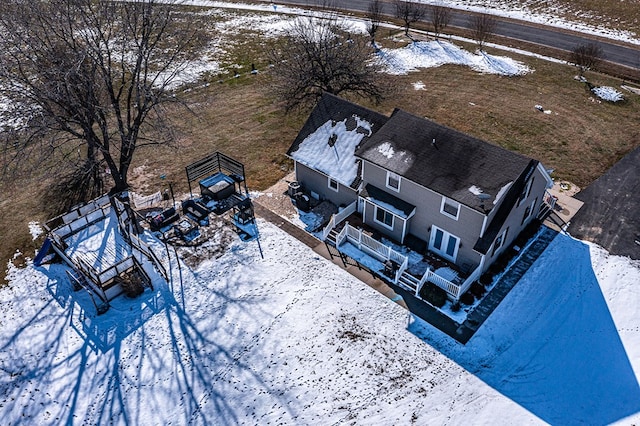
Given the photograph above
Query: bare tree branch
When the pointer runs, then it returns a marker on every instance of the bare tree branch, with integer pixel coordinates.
(440, 17)
(586, 56)
(482, 27)
(96, 71)
(374, 14)
(409, 13)
(318, 56)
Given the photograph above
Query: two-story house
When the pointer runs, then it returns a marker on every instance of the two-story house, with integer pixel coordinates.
(467, 199)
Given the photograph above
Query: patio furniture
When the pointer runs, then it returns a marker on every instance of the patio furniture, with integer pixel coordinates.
(163, 219)
(217, 187)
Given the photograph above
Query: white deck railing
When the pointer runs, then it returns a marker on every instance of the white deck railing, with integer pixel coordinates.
(453, 289)
(338, 218)
(74, 224)
(383, 253)
(373, 247)
(550, 199)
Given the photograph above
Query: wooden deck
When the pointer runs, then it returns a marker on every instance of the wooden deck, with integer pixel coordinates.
(411, 242)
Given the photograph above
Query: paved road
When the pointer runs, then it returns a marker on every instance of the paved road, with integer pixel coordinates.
(547, 36)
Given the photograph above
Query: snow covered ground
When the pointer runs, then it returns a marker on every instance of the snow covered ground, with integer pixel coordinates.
(293, 339)
(438, 52)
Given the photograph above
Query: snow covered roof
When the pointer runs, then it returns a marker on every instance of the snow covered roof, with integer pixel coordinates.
(447, 161)
(329, 138)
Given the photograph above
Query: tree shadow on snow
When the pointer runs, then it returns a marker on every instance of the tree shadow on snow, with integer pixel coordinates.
(147, 378)
(552, 345)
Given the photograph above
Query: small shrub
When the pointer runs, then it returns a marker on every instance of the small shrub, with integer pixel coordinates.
(456, 306)
(477, 290)
(486, 279)
(467, 298)
(433, 294)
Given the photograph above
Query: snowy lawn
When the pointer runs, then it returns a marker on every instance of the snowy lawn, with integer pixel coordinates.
(292, 339)
(436, 53)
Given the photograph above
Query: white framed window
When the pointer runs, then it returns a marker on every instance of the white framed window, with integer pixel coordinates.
(333, 184)
(499, 242)
(393, 181)
(529, 211)
(383, 217)
(450, 208)
(526, 191)
(444, 243)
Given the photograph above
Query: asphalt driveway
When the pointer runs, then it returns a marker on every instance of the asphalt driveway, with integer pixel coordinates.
(610, 216)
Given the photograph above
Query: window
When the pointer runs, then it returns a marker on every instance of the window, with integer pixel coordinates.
(526, 191)
(450, 208)
(384, 217)
(499, 242)
(529, 211)
(393, 181)
(444, 243)
(333, 184)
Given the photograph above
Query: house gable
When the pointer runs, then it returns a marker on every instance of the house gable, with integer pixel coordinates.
(329, 138)
(504, 209)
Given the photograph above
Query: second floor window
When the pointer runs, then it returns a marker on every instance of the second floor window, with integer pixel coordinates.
(450, 208)
(526, 191)
(393, 181)
(499, 242)
(528, 211)
(333, 184)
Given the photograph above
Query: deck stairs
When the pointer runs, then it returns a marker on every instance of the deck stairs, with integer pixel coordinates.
(331, 238)
(79, 281)
(548, 216)
(409, 282)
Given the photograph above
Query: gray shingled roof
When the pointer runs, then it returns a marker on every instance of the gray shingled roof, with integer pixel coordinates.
(454, 165)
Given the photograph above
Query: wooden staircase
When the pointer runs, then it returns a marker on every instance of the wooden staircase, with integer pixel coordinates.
(548, 215)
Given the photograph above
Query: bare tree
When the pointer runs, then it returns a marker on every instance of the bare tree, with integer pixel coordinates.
(586, 56)
(440, 17)
(374, 14)
(409, 13)
(318, 56)
(482, 27)
(91, 78)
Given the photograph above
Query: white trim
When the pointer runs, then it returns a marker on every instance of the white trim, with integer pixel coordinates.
(394, 176)
(375, 216)
(526, 192)
(446, 236)
(451, 202)
(404, 231)
(364, 209)
(329, 180)
(494, 249)
(531, 207)
(484, 225)
(545, 175)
